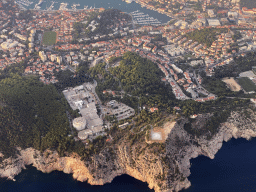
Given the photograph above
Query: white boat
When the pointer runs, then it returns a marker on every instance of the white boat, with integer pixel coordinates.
(40, 2)
(63, 6)
(23, 3)
(51, 6)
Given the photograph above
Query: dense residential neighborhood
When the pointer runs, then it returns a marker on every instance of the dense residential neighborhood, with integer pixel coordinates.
(48, 42)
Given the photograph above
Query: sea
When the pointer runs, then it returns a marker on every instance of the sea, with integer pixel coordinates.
(107, 4)
(232, 170)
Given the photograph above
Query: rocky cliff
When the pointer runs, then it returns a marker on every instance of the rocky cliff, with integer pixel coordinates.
(165, 167)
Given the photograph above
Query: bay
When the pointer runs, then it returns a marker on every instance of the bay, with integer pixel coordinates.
(107, 4)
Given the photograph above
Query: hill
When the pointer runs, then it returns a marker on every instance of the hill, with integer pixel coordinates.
(32, 115)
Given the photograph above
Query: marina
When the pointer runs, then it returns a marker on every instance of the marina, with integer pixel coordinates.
(144, 19)
(26, 3)
(51, 6)
(76, 5)
(22, 3)
(38, 5)
(63, 6)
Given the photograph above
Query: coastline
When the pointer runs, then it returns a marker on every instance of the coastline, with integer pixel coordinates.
(164, 16)
(85, 171)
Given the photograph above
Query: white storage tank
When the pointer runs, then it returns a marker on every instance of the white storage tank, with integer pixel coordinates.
(79, 123)
(84, 134)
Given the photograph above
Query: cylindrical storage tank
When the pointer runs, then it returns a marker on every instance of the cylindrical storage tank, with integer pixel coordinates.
(79, 123)
(84, 134)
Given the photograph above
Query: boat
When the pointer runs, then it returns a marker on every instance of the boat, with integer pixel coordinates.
(40, 2)
(37, 7)
(23, 3)
(135, 12)
(63, 6)
(51, 6)
(20, 6)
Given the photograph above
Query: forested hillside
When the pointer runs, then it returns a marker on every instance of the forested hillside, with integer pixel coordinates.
(137, 77)
(32, 115)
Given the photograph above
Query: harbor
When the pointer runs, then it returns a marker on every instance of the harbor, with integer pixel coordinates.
(145, 17)
(139, 18)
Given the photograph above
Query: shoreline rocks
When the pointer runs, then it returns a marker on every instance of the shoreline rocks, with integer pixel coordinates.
(146, 167)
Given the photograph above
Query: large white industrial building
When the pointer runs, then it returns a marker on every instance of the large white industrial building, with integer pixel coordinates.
(82, 98)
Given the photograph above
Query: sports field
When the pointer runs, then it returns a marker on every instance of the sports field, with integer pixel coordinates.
(247, 84)
(49, 38)
(232, 84)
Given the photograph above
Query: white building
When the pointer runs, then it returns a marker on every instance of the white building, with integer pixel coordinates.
(59, 59)
(84, 134)
(213, 22)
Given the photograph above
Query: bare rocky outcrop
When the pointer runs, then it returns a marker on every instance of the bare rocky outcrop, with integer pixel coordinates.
(166, 171)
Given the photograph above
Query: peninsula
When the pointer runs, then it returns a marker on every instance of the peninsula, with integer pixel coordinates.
(100, 93)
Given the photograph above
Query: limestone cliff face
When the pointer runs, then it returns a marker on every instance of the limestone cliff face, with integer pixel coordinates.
(102, 169)
(181, 147)
(163, 172)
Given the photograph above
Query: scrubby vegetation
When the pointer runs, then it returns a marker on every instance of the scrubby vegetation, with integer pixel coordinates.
(239, 65)
(49, 38)
(210, 127)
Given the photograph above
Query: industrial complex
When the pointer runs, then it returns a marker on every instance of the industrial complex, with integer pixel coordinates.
(85, 100)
